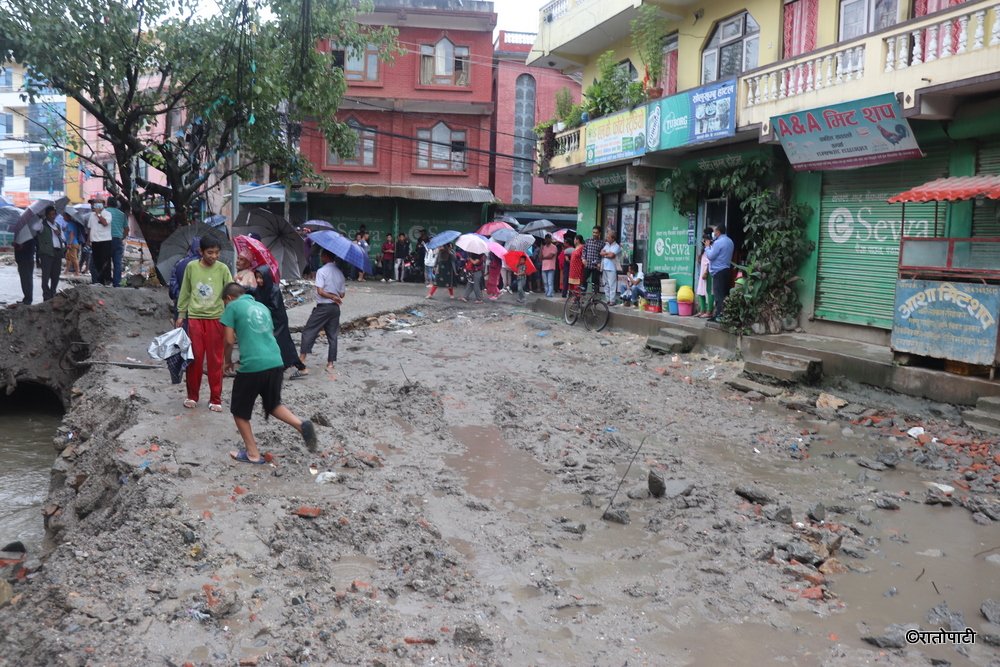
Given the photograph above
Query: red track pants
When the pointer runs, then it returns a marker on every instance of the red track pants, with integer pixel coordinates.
(206, 340)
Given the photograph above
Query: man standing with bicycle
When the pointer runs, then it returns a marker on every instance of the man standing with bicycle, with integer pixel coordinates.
(592, 260)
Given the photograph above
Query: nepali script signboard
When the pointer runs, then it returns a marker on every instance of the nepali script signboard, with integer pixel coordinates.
(617, 137)
(956, 321)
(846, 136)
(703, 114)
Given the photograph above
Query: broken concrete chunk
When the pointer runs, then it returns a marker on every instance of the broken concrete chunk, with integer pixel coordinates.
(754, 494)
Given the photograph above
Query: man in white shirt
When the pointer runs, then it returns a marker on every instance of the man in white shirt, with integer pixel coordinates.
(330, 288)
(609, 267)
(99, 224)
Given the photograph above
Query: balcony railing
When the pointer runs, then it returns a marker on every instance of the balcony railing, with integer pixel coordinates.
(897, 59)
(570, 149)
(568, 142)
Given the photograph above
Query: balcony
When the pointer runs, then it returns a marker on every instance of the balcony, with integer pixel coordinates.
(931, 61)
(569, 31)
(570, 153)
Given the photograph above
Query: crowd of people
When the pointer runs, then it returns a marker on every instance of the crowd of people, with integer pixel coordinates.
(91, 242)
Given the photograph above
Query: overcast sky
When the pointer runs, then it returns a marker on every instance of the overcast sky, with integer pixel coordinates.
(517, 15)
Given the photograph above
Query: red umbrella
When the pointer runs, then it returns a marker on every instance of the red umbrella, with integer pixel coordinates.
(257, 253)
(512, 258)
(490, 227)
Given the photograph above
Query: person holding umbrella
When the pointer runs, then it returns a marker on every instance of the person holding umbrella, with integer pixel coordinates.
(24, 257)
(330, 289)
(50, 251)
(444, 272)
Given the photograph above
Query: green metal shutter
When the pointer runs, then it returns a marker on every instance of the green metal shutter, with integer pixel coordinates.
(986, 214)
(860, 232)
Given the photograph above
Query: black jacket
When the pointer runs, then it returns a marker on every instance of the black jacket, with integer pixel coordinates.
(270, 295)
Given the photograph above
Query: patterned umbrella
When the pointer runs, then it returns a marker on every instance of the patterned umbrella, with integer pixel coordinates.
(442, 238)
(520, 242)
(257, 253)
(490, 227)
(474, 243)
(342, 247)
(30, 222)
(560, 235)
(316, 225)
(278, 235)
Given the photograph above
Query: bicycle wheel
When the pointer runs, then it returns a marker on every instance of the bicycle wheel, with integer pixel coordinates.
(571, 311)
(596, 315)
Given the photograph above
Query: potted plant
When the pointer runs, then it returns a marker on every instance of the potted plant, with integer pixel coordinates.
(648, 30)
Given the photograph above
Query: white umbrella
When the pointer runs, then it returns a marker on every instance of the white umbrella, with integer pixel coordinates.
(473, 243)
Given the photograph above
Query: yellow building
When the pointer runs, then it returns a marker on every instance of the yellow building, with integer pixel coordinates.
(926, 72)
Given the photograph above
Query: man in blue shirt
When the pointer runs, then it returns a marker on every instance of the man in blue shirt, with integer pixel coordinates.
(119, 230)
(720, 259)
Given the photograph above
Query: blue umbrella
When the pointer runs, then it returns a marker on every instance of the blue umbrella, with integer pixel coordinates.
(503, 235)
(317, 224)
(342, 247)
(442, 238)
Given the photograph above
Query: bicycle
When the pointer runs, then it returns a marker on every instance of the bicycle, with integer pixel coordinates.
(593, 309)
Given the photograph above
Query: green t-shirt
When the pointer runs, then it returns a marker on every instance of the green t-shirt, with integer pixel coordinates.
(255, 332)
(119, 223)
(201, 290)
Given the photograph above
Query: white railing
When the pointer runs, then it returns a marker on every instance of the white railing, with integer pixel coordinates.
(519, 38)
(568, 142)
(951, 37)
(554, 10)
(825, 70)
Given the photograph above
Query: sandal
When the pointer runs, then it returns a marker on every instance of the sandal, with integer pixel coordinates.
(299, 375)
(241, 456)
(215, 407)
(189, 404)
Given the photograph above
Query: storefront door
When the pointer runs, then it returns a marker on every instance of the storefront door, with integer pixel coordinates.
(859, 237)
(986, 214)
(629, 218)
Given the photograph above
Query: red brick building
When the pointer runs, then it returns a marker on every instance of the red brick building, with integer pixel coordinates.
(525, 97)
(422, 159)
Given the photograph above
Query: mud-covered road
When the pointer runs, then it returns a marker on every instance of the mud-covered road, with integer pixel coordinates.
(473, 452)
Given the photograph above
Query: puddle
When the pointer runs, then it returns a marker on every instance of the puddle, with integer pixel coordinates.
(496, 471)
(348, 568)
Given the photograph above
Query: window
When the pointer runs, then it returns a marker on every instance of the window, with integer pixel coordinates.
(800, 19)
(732, 48)
(9, 168)
(441, 149)
(925, 7)
(364, 148)
(860, 17)
(444, 64)
(6, 124)
(358, 65)
(45, 171)
(669, 82)
(524, 139)
(6, 79)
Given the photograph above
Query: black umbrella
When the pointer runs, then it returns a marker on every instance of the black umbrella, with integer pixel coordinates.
(278, 235)
(177, 245)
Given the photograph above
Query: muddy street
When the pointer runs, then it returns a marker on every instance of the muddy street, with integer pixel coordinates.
(455, 513)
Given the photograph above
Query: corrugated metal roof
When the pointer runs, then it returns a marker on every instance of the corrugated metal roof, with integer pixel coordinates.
(423, 192)
(954, 188)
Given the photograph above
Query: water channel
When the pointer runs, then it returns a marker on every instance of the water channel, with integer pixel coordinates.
(28, 422)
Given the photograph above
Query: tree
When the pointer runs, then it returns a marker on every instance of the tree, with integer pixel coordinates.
(183, 92)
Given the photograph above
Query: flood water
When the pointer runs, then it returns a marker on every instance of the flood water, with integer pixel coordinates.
(28, 422)
(10, 286)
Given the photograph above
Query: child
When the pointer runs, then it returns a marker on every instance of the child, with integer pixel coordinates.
(474, 271)
(330, 289)
(631, 288)
(522, 277)
(444, 272)
(703, 288)
(260, 371)
(199, 302)
(269, 294)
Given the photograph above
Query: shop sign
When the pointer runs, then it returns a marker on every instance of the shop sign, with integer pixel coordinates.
(956, 321)
(640, 181)
(854, 134)
(672, 254)
(605, 180)
(620, 136)
(691, 117)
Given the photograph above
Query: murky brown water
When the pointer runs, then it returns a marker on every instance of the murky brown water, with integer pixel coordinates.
(28, 423)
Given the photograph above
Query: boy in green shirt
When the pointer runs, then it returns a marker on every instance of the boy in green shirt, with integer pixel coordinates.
(200, 303)
(261, 370)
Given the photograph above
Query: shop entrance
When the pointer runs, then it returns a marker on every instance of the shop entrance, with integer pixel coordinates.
(629, 218)
(721, 211)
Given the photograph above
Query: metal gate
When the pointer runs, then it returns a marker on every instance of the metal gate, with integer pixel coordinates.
(860, 232)
(986, 214)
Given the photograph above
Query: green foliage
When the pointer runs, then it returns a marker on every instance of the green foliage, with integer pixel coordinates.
(564, 104)
(648, 30)
(612, 90)
(775, 243)
(186, 91)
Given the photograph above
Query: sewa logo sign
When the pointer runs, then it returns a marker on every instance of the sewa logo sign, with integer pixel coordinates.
(845, 225)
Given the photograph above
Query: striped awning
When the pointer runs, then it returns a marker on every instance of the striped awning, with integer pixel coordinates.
(953, 188)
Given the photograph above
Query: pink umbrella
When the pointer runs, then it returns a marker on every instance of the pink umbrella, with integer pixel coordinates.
(490, 227)
(560, 235)
(496, 249)
(257, 253)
